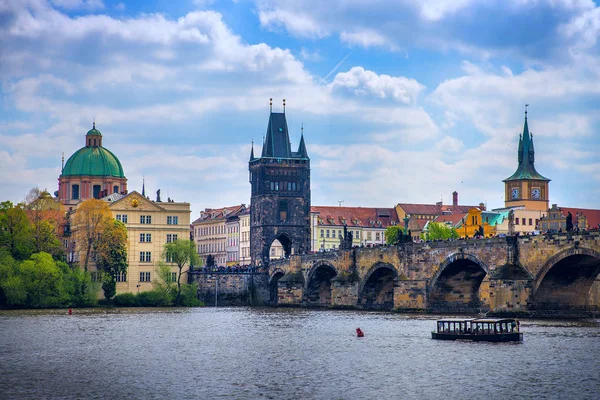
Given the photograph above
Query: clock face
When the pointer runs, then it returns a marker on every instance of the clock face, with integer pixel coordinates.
(536, 193)
(515, 193)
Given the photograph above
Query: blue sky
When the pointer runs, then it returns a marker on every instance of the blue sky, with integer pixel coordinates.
(402, 101)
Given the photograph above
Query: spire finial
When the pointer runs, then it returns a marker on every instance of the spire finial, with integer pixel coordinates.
(271, 104)
(302, 129)
(62, 165)
(284, 106)
(526, 105)
(94, 124)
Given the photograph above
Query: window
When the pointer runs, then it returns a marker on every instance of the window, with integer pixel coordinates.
(75, 192)
(294, 186)
(122, 218)
(376, 235)
(115, 189)
(322, 233)
(368, 235)
(169, 257)
(121, 277)
(523, 221)
(327, 233)
(145, 256)
(516, 221)
(145, 238)
(172, 220)
(530, 221)
(172, 277)
(144, 276)
(283, 210)
(171, 237)
(96, 190)
(145, 219)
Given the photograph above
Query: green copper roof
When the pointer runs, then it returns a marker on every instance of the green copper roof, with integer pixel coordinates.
(526, 157)
(93, 131)
(93, 161)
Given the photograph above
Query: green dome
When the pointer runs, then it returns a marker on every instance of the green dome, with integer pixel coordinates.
(93, 132)
(93, 161)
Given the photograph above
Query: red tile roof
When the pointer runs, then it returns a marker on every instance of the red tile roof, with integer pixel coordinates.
(433, 209)
(213, 214)
(451, 218)
(356, 216)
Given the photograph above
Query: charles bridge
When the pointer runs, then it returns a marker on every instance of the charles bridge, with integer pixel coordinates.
(545, 274)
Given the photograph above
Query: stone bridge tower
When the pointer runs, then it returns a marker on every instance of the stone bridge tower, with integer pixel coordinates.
(280, 193)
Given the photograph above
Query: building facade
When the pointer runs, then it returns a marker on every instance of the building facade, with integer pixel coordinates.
(245, 237)
(367, 226)
(581, 218)
(210, 233)
(91, 172)
(526, 187)
(280, 194)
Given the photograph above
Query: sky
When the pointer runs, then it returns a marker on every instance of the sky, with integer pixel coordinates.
(401, 101)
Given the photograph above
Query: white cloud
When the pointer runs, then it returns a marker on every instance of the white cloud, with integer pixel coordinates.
(79, 4)
(300, 24)
(364, 38)
(361, 82)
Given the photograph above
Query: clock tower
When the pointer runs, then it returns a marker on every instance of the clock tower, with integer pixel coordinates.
(526, 187)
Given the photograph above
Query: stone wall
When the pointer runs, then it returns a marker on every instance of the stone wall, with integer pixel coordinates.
(232, 289)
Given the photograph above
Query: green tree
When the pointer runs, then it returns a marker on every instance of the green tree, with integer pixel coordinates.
(15, 231)
(90, 219)
(47, 220)
(182, 252)
(437, 231)
(43, 281)
(110, 251)
(393, 235)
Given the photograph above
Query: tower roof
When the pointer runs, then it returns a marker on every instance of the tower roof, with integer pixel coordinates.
(277, 140)
(526, 157)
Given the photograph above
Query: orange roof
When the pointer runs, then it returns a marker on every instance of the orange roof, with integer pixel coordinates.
(356, 216)
(434, 209)
(213, 214)
(450, 218)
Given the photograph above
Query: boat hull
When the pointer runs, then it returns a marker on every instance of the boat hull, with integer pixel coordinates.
(496, 337)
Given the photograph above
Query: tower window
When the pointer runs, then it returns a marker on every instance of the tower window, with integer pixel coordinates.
(283, 210)
(94, 142)
(96, 191)
(115, 189)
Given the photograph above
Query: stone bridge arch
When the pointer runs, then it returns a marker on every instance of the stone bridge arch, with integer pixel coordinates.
(274, 277)
(454, 287)
(564, 281)
(376, 289)
(317, 287)
(285, 238)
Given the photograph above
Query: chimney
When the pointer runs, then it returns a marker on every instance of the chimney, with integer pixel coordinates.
(482, 206)
(455, 198)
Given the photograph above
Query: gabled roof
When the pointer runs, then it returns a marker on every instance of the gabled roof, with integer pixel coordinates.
(129, 196)
(216, 214)
(433, 209)
(356, 216)
(452, 219)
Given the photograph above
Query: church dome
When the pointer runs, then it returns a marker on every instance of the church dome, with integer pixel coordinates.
(93, 159)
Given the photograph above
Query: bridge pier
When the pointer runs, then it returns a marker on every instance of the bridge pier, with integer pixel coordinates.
(410, 295)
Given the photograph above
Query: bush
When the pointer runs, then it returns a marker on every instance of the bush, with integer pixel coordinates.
(189, 296)
(125, 300)
(153, 298)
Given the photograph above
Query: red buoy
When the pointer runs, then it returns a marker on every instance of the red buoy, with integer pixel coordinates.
(359, 333)
(70, 311)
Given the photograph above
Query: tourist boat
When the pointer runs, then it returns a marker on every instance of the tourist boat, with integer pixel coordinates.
(478, 329)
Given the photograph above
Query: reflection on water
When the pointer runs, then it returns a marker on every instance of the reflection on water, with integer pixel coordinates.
(284, 353)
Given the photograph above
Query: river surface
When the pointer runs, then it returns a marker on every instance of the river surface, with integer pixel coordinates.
(269, 353)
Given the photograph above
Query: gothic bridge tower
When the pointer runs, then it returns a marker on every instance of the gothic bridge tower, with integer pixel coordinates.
(526, 187)
(280, 193)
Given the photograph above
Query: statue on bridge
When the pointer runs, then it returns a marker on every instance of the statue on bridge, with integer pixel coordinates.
(346, 240)
(511, 223)
(569, 222)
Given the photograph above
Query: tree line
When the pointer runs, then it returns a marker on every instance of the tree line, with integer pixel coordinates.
(38, 241)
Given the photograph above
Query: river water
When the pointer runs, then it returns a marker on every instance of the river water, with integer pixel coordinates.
(270, 353)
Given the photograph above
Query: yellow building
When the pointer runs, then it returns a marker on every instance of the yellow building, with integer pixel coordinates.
(526, 187)
(149, 225)
(473, 221)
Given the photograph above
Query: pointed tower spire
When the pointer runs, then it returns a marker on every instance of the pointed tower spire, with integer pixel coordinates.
(252, 151)
(143, 186)
(302, 153)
